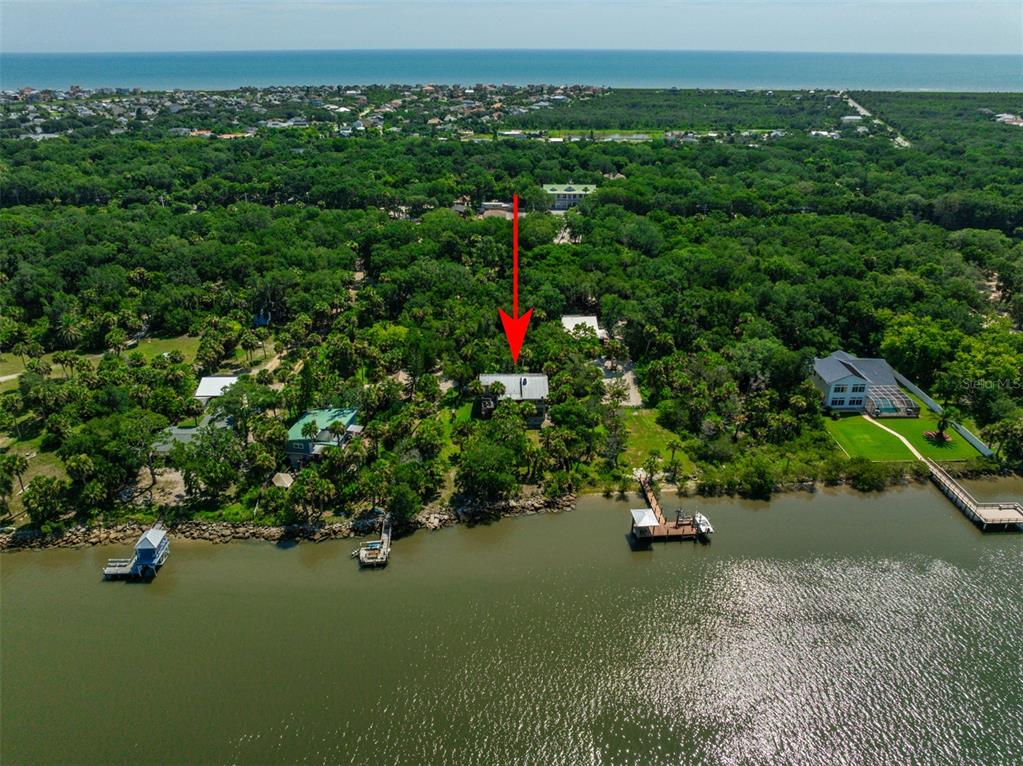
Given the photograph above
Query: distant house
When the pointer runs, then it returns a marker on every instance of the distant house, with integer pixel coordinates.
(213, 386)
(573, 321)
(302, 448)
(853, 384)
(172, 435)
(565, 196)
(497, 209)
(519, 387)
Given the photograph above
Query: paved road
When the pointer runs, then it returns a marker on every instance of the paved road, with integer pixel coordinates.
(899, 139)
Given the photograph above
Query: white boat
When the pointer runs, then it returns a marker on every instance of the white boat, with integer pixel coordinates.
(702, 524)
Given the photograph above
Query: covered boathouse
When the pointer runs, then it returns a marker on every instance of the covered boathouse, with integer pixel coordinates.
(151, 553)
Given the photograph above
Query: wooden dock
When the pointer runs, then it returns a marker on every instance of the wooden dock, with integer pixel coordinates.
(681, 528)
(999, 515)
(377, 552)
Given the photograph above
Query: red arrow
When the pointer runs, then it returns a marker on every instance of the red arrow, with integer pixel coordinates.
(515, 327)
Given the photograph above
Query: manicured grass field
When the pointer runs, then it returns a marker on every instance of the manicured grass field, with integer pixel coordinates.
(913, 429)
(645, 435)
(860, 438)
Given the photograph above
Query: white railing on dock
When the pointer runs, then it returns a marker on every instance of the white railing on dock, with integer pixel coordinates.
(993, 513)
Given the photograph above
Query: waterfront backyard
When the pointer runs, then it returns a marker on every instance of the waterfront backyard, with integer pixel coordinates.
(858, 437)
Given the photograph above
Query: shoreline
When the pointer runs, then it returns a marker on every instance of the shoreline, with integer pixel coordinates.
(221, 532)
(430, 518)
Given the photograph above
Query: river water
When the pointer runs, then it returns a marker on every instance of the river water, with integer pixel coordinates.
(835, 628)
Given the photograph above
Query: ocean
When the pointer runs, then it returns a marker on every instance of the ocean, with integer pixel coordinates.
(619, 68)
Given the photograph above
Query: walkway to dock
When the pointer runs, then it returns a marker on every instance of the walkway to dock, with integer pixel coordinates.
(376, 553)
(985, 514)
(683, 529)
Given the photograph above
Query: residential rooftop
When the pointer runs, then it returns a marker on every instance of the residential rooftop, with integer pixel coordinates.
(519, 386)
(323, 418)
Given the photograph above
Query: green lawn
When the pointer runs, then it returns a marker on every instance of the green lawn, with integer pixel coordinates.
(913, 429)
(11, 364)
(645, 435)
(186, 344)
(860, 438)
(39, 464)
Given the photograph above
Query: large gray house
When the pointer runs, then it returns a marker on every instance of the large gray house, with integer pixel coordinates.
(853, 384)
(519, 387)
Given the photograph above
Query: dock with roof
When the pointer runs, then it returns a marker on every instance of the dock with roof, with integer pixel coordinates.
(650, 525)
(151, 552)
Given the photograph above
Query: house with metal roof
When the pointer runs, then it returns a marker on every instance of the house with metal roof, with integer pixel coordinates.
(213, 386)
(313, 431)
(518, 387)
(571, 322)
(565, 196)
(855, 384)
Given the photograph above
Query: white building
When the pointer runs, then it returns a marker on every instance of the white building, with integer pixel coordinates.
(213, 386)
(573, 321)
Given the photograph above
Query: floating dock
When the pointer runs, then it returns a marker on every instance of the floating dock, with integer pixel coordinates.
(650, 524)
(999, 515)
(376, 553)
(151, 552)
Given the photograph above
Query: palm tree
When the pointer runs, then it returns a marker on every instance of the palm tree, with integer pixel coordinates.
(19, 467)
(338, 429)
(70, 330)
(194, 408)
(66, 360)
(310, 430)
(948, 417)
(249, 343)
(116, 339)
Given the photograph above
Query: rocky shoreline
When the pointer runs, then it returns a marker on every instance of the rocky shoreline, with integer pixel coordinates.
(432, 517)
(224, 532)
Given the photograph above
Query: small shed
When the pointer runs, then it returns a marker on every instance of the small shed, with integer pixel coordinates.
(283, 480)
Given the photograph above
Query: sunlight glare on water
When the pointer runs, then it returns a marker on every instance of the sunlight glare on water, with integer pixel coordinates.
(833, 629)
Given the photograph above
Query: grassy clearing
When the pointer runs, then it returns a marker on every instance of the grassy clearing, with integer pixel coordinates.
(860, 438)
(40, 463)
(152, 347)
(645, 436)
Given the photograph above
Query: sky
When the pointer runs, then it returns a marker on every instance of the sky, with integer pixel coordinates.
(894, 26)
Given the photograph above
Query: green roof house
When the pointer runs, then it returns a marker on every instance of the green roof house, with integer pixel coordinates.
(304, 445)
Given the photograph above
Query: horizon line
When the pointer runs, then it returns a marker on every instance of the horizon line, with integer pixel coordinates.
(505, 50)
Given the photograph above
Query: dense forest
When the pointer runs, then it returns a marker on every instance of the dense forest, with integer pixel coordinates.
(333, 271)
